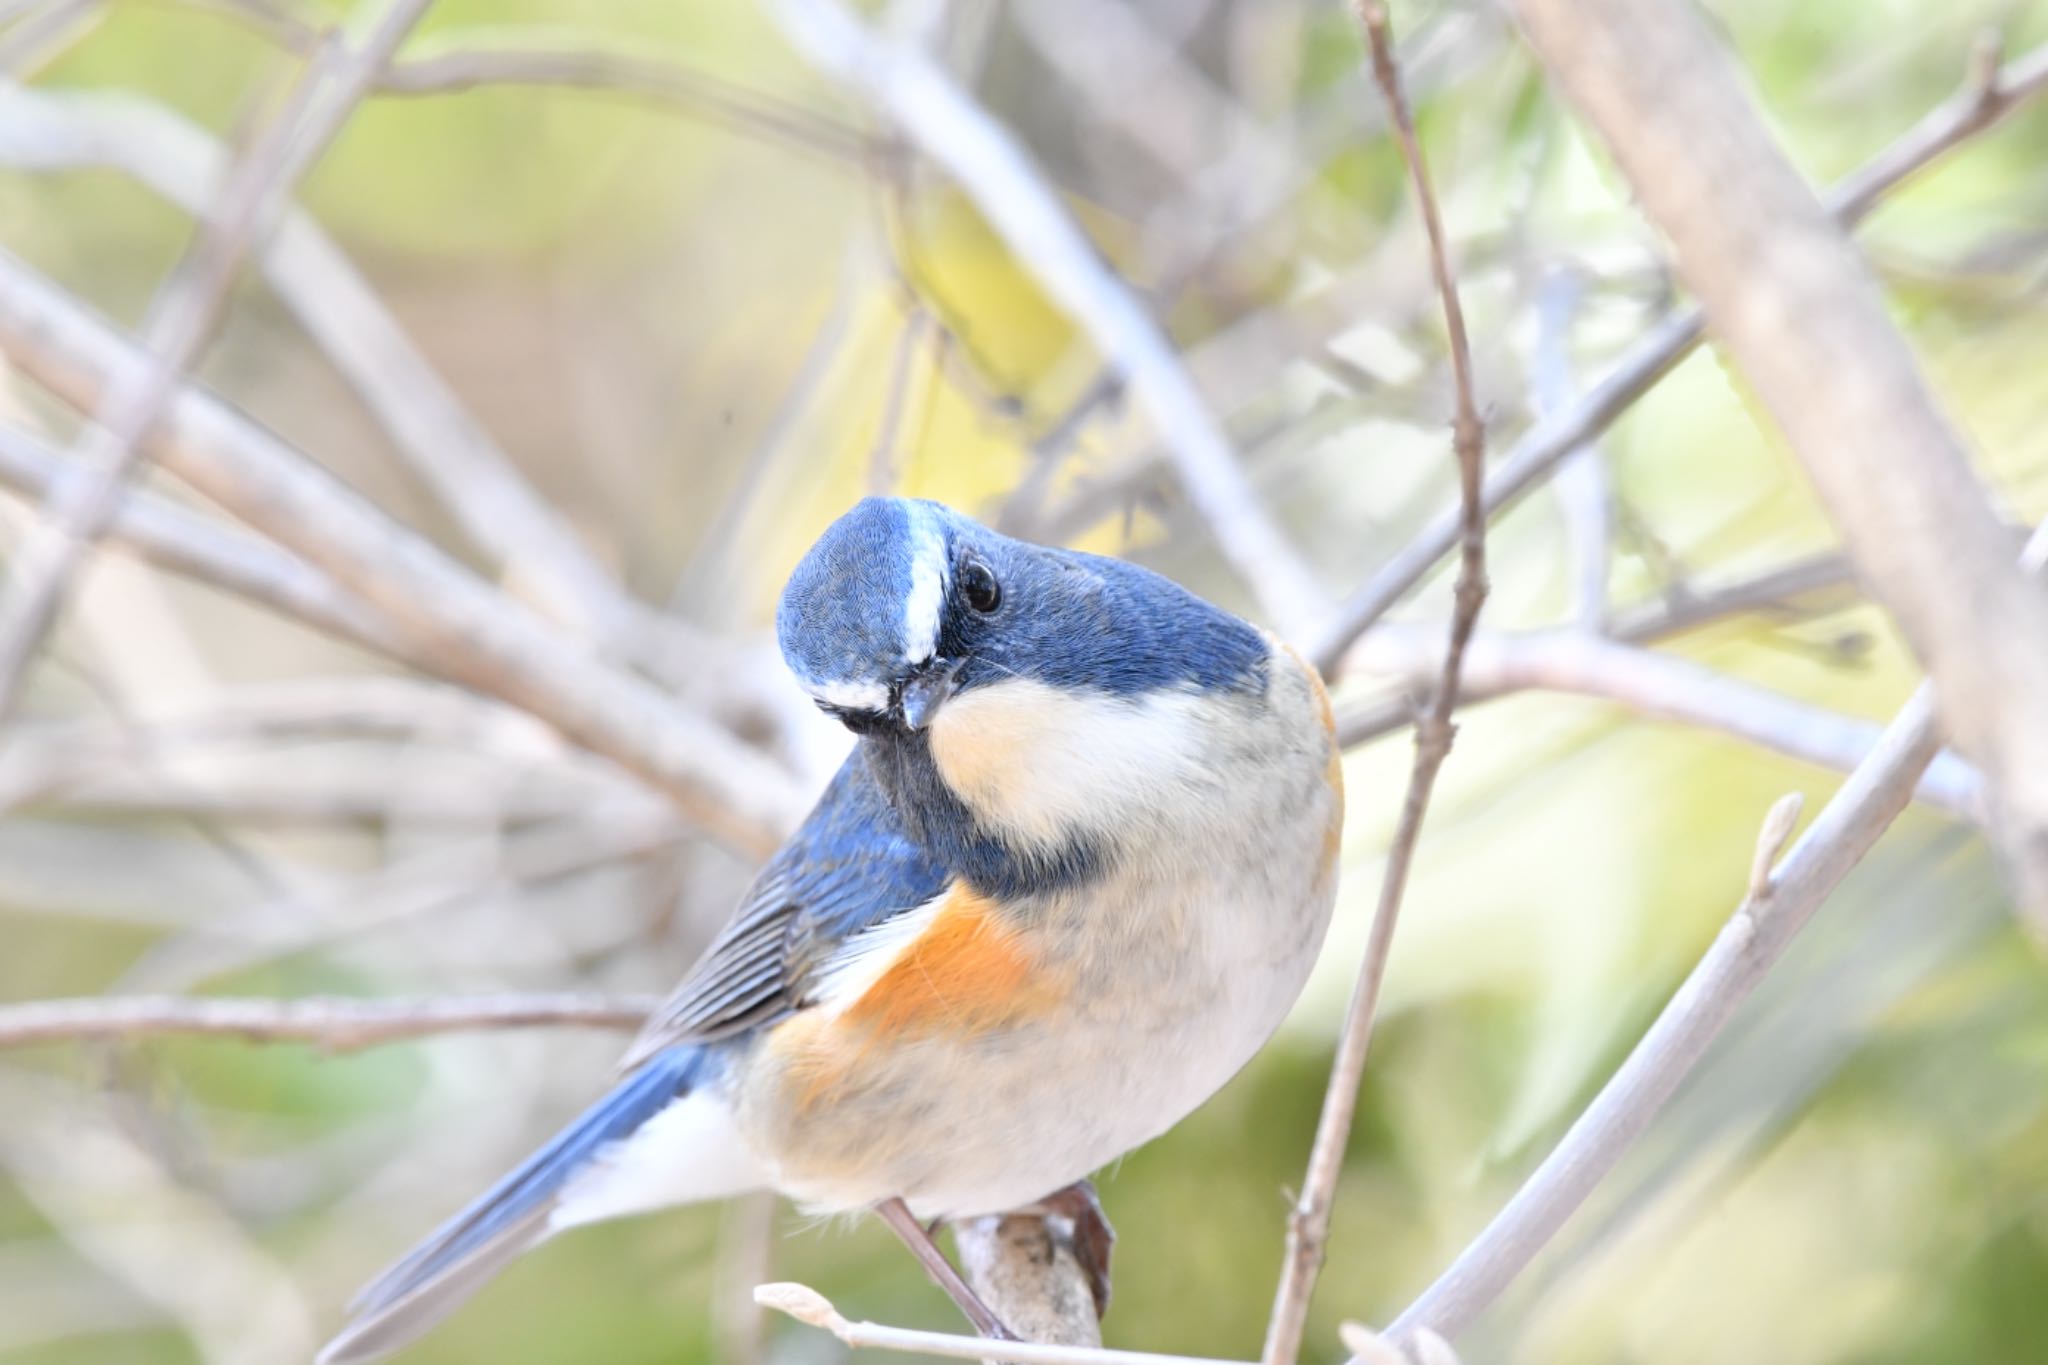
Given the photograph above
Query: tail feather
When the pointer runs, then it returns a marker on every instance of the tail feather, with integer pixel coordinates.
(410, 1309)
(512, 1216)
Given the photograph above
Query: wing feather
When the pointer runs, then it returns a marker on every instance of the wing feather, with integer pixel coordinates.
(849, 868)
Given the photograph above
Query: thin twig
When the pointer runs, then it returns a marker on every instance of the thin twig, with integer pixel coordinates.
(335, 1023)
(175, 538)
(1527, 660)
(883, 472)
(175, 332)
(810, 1307)
(438, 876)
(745, 1258)
(1980, 105)
(929, 107)
(527, 541)
(1581, 482)
(1309, 1224)
(1796, 308)
(1744, 951)
(455, 60)
(1651, 684)
(1762, 927)
(473, 633)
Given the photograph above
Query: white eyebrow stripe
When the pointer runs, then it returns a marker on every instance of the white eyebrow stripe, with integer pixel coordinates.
(851, 696)
(927, 595)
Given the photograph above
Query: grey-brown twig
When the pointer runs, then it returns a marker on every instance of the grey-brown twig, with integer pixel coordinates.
(334, 1023)
(1982, 104)
(1309, 1222)
(1793, 302)
(175, 331)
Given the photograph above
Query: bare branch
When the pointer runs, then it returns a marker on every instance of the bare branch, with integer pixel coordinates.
(1581, 482)
(473, 634)
(1776, 908)
(1982, 105)
(1030, 1278)
(175, 331)
(440, 875)
(1796, 307)
(454, 60)
(949, 127)
(1650, 684)
(334, 1023)
(1744, 951)
(810, 1307)
(1775, 590)
(1308, 1226)
(745, 1258)
(184, 542)
(460, 62)
(541, 555)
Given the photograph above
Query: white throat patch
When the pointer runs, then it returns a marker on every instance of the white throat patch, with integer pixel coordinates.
(929, 573)
(849, 696)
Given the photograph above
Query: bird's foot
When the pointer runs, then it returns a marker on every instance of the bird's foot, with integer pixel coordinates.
(1094, 1238)
(918, 1238)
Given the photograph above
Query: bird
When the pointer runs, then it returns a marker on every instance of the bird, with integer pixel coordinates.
(1075, 870)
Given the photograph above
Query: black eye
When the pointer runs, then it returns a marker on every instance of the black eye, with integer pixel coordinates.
(979, 587)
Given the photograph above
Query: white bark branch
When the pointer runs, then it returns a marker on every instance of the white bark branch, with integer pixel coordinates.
(1762, 927)
(183, 541)
(1740, 956)
(808, 1306)
(1981, 105)
(176, 328)
(923, 101)
(334, 1023)
(474, 634)
(1797, 308)
(1649, 684)
(542, 557)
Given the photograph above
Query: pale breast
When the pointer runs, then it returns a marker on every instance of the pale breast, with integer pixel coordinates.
(1123, 1002)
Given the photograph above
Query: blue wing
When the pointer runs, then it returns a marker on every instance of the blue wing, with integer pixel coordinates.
(507, 1219)
(849, 867)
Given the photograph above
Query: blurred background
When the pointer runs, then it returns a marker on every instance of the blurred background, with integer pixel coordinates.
(640, 260)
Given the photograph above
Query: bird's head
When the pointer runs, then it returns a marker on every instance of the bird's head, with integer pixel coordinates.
(884, 615)
(905, 605)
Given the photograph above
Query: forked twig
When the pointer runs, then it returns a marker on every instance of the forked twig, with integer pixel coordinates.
(1309, 1225)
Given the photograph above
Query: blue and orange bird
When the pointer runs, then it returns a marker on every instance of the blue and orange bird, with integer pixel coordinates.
(1072, 876)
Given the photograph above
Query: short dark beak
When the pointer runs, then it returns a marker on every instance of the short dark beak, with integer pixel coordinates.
(927, 691)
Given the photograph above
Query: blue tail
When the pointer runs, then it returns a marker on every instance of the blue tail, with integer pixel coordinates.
(509, 1218)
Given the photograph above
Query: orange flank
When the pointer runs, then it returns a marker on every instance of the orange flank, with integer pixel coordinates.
(1333, 837)
(965, 974)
